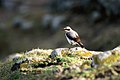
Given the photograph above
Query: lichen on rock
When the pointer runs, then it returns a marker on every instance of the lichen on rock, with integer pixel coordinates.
(65, 62)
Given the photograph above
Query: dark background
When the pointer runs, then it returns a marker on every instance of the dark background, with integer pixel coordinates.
(29, 24)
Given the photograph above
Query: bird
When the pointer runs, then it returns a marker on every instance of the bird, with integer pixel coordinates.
(72, 37)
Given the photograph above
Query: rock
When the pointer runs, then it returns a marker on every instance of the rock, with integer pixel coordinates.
(17, 64)
(104, 55)
(57, 52)
(117, 49)
(39, 51)
(107, 57)
(15, 57)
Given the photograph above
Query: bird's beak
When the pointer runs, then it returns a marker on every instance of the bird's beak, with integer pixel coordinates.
(63, 29)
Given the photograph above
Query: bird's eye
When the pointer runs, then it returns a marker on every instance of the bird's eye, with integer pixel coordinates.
(68, 29)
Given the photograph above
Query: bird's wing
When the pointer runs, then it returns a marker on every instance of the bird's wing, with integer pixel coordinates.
(73, 36)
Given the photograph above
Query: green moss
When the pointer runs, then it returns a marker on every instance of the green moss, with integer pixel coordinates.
(70, 66)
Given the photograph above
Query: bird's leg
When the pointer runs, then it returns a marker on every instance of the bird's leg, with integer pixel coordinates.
(70, 45)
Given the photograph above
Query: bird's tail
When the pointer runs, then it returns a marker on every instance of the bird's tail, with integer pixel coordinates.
(81, 44)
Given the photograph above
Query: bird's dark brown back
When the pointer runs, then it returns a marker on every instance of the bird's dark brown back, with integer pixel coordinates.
(77, 39)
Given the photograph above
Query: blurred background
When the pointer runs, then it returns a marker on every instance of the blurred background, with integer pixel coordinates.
(29, 24)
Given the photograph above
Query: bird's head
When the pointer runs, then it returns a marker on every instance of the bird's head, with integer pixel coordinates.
(67, 29)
